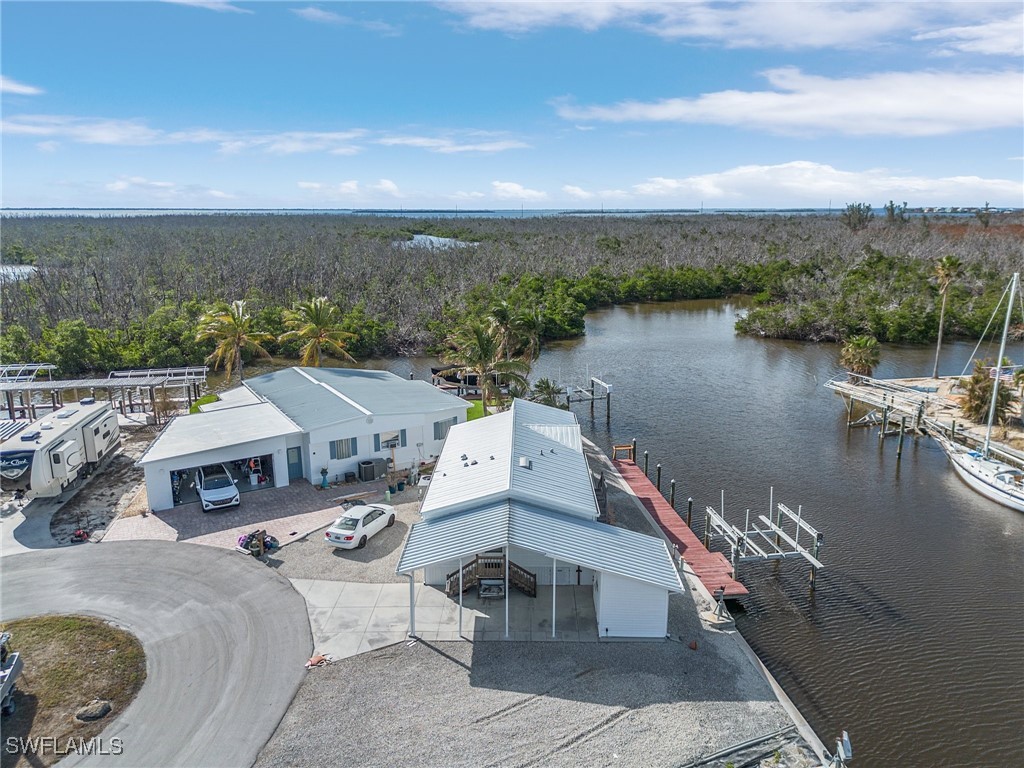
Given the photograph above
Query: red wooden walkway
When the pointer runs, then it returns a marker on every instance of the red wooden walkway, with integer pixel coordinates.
(712, 568)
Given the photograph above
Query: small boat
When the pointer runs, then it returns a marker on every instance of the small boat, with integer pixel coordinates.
(994, 479)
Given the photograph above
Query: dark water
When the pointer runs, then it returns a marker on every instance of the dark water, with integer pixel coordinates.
(914, 638)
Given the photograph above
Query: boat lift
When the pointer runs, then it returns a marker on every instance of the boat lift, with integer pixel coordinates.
(767, 540)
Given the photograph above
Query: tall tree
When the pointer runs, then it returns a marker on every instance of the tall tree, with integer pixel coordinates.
(860, 355)
(547, 392)
(948, 270)
(476, 349)
(317, 324)
(230, 326)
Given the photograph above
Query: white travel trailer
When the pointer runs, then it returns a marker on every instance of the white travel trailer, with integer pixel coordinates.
(48, 455)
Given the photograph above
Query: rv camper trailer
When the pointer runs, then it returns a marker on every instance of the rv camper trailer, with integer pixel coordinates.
(48, 455)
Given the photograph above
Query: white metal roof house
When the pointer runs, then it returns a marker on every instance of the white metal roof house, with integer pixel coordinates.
(298, 421)
(518, 482)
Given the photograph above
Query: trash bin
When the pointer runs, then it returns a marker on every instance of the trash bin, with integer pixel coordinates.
(350, 477)
(366, 471)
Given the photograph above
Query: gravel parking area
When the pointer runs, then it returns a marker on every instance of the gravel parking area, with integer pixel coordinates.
(311, 558)
(534, 704)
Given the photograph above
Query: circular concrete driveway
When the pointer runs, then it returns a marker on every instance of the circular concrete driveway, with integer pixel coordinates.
(226, 639)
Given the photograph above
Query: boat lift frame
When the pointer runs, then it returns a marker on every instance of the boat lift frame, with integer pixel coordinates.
(754, 543)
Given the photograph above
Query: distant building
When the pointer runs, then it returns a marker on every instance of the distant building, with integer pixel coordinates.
(293, 423)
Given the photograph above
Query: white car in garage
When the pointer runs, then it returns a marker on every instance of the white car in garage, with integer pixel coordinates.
(359, 524)
(216, 488)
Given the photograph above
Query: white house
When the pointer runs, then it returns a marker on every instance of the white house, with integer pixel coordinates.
(293, 423)
(514, 489)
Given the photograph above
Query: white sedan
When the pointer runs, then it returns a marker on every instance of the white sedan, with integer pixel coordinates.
(351, 530)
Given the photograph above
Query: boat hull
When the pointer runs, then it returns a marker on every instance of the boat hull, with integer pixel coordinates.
(981, 475)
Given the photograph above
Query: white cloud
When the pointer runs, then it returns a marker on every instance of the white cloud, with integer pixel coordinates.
(509, 190)
(450, 146)
(221, 6)
(883, 104)
(997, 37)
(745, 24)
(320, 16)
(344, 189)
(460, 195)
(138, 182)
(577, 193)
(387, 186)
(95, 130)
(8, 85)
(48, 146)
(140, 190)
(802, 183)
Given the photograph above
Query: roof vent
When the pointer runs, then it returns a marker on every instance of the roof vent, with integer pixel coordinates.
(473, 463)
(66, 413)
(525, 463)
(46, 425)
(466, 463)
(492, 458)
(30, 436)
(463, 457)
(87, 401)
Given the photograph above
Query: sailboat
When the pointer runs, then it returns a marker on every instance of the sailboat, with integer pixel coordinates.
(996, 480)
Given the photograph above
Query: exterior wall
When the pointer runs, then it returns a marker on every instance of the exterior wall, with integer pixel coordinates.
(158, 473)
(537, 563)
(420, 445)
(629, 608)
(436, 574)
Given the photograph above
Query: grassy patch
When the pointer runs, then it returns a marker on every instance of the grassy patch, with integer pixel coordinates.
(476, 410)
(69, 661)
(204, 400)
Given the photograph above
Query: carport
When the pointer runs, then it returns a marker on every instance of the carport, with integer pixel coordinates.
(253, 442)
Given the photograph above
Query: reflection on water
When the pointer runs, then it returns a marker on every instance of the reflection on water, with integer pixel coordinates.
(914, 639)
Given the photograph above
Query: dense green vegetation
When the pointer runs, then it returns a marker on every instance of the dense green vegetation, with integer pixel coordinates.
(130, 292)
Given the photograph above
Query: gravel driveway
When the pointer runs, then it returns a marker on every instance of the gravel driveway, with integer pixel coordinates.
(532, 704)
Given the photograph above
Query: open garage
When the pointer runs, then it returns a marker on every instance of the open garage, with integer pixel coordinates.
(254, 444)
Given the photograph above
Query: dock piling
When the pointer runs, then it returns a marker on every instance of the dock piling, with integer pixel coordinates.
(646, 460)
(657, 474)
(903, 429)
(672, 493)
(689, 512)
(632, 456)
(885, 423)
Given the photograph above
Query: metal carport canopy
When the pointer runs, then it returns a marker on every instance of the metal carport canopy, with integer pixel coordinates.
(594, 545)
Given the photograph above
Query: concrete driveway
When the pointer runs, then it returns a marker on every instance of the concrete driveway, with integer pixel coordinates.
(225, 637)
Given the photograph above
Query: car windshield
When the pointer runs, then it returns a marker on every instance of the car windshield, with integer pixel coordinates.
(217, 481)
(347, 523)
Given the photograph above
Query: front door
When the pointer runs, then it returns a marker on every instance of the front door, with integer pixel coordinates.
(294, 463)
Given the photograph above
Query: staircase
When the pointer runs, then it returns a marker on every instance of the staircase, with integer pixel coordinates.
(491, 567)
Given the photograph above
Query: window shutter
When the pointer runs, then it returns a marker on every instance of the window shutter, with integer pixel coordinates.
(354, 449)
(334, 449)
(402, 438)
(376, 442)
(437, 430)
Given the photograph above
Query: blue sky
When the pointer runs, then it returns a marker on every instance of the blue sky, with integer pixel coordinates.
(509, 104)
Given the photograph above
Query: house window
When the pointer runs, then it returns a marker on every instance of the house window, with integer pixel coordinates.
(344, 449)
(441, 427)
(387, 440)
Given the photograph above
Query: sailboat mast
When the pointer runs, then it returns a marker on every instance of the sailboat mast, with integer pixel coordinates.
(999, 362)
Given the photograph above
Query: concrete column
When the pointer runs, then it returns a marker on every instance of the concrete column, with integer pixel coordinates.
(554, 592)
(506, 592)
(460, 597)
(412, 604)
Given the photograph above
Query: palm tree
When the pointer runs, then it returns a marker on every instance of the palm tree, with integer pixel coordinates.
(476, 349)
(860, 355)
(546, 392)
(230, 326)
(978, 395)
(518, 330)
(316, 323)
(948, 270)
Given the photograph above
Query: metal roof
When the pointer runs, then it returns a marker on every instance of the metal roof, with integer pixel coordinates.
(484, 459)
(207, 431)
(588, 543)
(52, 427)
(125, 382)
(319, 397)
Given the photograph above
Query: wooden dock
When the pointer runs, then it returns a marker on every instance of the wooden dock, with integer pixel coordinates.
(712, 568)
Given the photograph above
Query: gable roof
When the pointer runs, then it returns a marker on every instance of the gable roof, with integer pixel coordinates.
(588, 543)
(319, 397)
(529, 453)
